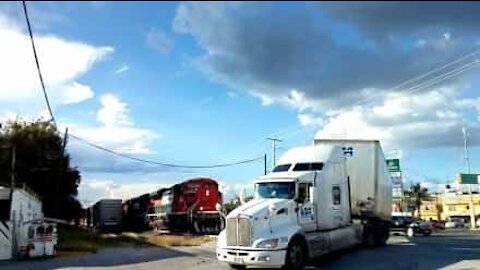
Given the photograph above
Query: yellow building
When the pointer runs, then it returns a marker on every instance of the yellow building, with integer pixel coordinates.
(458, 205)
(430, 209)
(445, 206)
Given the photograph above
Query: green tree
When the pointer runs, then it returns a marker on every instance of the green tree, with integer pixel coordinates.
(234, 203)
(416, 195)
(40, 164)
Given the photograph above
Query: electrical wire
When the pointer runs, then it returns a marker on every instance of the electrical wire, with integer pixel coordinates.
(165, 164)
(99, 147)
(47, 101)
(417, 78)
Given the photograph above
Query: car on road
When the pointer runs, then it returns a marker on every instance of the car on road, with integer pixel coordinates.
(438, 225)
(410, 226)
(455, 223)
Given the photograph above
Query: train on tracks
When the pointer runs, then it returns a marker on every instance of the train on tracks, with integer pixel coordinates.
(189, 206)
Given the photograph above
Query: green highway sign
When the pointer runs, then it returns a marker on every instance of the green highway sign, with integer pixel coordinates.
(467, 178)
(393, 165)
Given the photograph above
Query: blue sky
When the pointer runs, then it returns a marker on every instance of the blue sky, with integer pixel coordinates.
(206, 83)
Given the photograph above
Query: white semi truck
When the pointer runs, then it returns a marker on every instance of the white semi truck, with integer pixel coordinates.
(321, 198)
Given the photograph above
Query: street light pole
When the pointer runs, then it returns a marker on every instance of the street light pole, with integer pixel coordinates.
(274, 147)
(467, 162)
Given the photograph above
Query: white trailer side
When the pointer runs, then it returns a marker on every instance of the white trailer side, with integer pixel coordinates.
(370, 185)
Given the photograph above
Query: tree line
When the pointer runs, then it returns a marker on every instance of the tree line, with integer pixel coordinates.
(32, 153)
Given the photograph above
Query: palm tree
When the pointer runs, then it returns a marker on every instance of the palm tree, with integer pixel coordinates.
(417, 194)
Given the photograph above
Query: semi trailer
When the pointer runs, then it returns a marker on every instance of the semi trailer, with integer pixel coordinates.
(320, 198)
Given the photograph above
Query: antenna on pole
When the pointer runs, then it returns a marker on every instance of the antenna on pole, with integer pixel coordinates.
(467, 163)
(274, 147)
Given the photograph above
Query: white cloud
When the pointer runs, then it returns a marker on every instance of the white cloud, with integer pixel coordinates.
(113, 111)
(265, 99)
(231, 191)
(116, 131)
(62, 63)
(75, 93)
(159, 41)
(122, 69)
(93, 190)
(309, 120)
(402, 120)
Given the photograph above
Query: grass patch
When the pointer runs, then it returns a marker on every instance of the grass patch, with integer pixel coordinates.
(177, 240)
(73, 239)
(77, 239)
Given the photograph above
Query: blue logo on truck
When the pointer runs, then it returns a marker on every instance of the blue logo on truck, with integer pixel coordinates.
(347, 151)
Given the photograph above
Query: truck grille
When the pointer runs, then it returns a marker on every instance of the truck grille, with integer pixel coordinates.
(238, 232)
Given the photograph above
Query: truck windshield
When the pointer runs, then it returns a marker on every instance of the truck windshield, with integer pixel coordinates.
(278, 190)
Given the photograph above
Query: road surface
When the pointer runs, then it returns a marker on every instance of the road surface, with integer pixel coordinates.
(448, 250)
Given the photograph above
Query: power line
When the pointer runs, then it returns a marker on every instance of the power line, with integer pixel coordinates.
(99, 147)
(452, 73)
(37, 63)
(166, 164)
(418, 78)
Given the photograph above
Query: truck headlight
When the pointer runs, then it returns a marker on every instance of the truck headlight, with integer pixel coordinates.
(270, 243)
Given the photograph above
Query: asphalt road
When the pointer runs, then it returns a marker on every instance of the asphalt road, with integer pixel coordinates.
(446, 250)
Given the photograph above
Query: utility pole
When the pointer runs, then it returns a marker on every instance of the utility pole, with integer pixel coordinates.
(274, 147)
(12, 186)
(467, 163)
(265, 164)
(61, 164)
(12, 169)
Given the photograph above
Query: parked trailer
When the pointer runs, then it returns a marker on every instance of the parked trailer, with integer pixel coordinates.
(319, 199)
(24, 232)
(107, 215)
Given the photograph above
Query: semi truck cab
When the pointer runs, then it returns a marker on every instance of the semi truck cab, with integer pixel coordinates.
(300, 210)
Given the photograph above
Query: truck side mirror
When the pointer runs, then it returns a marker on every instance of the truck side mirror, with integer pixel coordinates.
(218, 207)
(299, 199)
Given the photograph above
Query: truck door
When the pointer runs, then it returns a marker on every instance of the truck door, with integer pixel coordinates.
(306, 209)
(337, 205)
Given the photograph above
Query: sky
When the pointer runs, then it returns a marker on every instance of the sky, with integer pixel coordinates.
(206, 83)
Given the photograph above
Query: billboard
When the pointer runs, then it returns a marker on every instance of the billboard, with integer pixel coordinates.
(396, 180)
(467, 178)
(393, 165)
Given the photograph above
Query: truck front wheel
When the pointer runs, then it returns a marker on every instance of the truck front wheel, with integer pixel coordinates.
(296, 255)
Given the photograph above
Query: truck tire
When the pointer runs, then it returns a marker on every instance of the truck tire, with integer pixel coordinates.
(382, 235)
(296, 255)
(237, 266)
(369, 237)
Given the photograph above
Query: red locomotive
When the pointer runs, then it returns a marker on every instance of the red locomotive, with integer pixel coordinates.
(186, 207)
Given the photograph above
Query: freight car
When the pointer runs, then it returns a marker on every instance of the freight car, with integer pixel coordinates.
(106, 215)
(135, 212)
